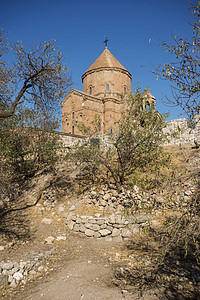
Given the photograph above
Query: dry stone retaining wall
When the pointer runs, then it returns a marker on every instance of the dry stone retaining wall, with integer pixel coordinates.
(111, 222)
(185, 135)
(114, 227)
(13, 273)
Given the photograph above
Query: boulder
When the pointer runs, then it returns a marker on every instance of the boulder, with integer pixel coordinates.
(76, 227)
(115, 232)
(97, 234)
(88, 225)
(71, 225)
(49, 240)
(82, 228)
(73, 207)
(106, 197)
(142, 219)
(89, 232)
(46, 221)
(61, 238)
(114, 193)
(18, 276)
(126, 233)
(13, 283)
(60, 209)
(104, 232)
(7, 266)
(103, 203)
(95, 227)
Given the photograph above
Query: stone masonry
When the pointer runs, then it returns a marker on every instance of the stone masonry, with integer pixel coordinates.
(105, 84)
(113, 228)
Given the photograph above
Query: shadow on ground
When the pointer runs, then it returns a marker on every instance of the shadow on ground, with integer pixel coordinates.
(175, 277)
(15, 225)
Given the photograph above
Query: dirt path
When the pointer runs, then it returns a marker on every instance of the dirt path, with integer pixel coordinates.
(80, 271)
(77, 280)
(80, 268)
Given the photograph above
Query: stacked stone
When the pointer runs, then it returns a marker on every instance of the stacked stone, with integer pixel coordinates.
(49, 195)
(110, 197)
(186, 133)
(49, 200)
(125, 199)
(14, 273)
(113, 228)
(113, 199)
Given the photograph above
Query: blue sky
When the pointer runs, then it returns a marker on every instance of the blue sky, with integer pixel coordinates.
(79, 28)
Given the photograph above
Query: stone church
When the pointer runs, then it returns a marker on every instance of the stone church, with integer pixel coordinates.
(105, 86)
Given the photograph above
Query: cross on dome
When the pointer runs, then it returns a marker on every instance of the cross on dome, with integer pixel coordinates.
(106, 41)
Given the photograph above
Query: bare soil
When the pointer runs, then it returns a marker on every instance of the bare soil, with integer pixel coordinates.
(79, 268)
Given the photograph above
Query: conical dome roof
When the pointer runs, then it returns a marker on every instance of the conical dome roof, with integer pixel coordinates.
(105, 60)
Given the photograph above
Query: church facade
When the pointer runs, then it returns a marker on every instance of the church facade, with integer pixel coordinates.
(106, 85)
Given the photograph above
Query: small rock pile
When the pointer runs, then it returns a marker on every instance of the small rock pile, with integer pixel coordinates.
(125, 199)
(14, 273)
(49, 198)
(113, 199)
(113, 228)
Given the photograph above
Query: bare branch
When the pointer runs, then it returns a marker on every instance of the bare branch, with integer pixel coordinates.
(38, 71)
(184, 71)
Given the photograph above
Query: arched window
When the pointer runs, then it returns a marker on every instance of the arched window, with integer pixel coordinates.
(147, 106)
(111, 131)
(107, 88)
(73, 115)
(124, 90)
(90, 90)
(72, 129)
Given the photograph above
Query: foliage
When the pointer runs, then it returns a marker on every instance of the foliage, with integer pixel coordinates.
(30, 93)
(27, 143)
(37, 77)
(182, 230)
(135, 148)
(184, 71)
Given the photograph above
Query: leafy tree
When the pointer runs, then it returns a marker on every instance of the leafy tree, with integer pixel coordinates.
(37, 77)
(135, 148)
(26, 141)
(184, 71)
(184, 74)
(182, 231)
(27, 145)
(30, 93)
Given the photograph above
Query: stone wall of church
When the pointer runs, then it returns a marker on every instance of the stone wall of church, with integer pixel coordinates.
(68, 140)
(82, 108)
(112, 114)
(107, 83)
(183, 133)
(79, 109)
